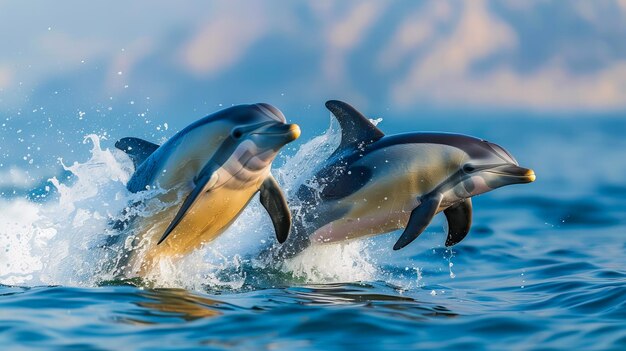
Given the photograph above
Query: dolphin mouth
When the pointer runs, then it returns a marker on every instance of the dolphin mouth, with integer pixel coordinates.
(290, 131)
(520, 174)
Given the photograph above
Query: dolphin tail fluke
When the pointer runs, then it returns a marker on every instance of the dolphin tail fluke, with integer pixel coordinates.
(137, 149)
(273, 200)
(459, 219)
(356, 129)
(420, 218)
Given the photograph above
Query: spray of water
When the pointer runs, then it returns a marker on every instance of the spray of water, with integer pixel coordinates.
(52, 242)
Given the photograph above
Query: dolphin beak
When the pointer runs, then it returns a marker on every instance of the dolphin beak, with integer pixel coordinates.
(290, 132)
(514, 173)
(294, 131)
(531, 175)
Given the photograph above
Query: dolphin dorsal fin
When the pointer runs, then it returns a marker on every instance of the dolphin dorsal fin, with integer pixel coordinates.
(137, 149)
(356, 129)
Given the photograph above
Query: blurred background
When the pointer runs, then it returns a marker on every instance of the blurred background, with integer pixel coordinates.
(543, 267)
(149, 68)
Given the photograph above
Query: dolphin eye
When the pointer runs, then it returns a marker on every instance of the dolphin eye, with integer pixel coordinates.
(468, 168)
(237, 133)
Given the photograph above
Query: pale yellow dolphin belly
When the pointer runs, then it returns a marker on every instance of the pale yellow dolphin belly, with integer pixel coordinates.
(372, 212)
(210, 216)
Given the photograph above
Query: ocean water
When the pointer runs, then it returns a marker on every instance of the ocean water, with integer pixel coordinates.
(543, 268)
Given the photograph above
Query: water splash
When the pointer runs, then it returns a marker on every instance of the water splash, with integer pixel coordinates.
(52, 242)
(347, 262)
(448, 255)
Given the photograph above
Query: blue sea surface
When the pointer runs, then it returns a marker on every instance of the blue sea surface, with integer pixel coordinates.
(543, 268)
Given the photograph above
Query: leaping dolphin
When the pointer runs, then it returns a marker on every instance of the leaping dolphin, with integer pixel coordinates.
(374, 184)
(217, 164)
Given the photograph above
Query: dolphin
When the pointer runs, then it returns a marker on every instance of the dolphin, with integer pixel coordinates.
(217, 165)
(374, 184)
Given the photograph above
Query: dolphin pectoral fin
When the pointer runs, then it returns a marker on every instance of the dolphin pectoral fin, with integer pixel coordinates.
(459, 219)
(137, 149)
(201, 184)
(355, 128)
(420, 218)
(273, 200)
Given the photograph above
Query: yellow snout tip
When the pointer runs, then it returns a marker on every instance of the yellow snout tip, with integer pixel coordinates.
(295, 131)
(531, 175)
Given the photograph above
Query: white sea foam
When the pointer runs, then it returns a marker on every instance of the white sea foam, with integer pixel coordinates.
(58, 241)
(52, 242)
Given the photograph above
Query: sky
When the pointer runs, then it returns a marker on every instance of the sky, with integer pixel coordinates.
(148, 68)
